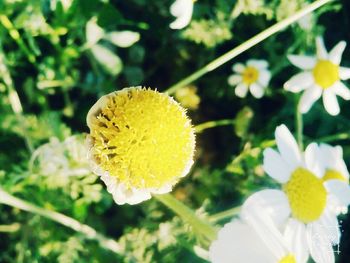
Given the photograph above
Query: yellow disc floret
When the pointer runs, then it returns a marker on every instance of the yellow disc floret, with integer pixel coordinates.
(331, 174)
(141, 137)
(288, 259)
(250, 75)
(325, 73)
(306, 194)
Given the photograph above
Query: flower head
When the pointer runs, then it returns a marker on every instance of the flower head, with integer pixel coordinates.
(188, 97)
(182, 10)
(141, 142)
(253, 76)
(321, 76)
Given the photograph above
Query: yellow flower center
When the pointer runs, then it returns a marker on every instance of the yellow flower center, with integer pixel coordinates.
(142, 137)
(288, 259)
(325, 73)
(333, 174)
(306, 194)
(250, 75)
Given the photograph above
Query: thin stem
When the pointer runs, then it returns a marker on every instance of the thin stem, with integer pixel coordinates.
(14, 227)
(335, 137)
(87, 231)
(299, 124)
(211, 124)
(248, 44)
(225, 214)
(198, 225)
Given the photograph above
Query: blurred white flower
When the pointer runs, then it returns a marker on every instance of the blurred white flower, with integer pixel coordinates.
(322, 75)
(182, 10)
(304, 195)
(253, 76)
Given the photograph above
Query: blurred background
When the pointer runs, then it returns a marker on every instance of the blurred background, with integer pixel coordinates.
(57, 57)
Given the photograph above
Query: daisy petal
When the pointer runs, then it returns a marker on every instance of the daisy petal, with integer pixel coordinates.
(259, 64)
(275, 166)
(344, 73)
(302, 62)
(330, 102)
(299, 82)
(336, 53)
(341, 90)
(312, 160)
(295, 235)
(241, 90)
(287, 146)
(233, 80)
(308, 98)
(331, 226)
(182, 9)
(264, 77)
(256, 90)
(318, 242)
(340, 190)
(238, 67)
(321, 49)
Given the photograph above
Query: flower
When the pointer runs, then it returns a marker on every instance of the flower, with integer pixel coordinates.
(305, 195)
(188, 97)
(322, 75)
(141, 143)
(245, 240)
(253, 76)
(182, 10)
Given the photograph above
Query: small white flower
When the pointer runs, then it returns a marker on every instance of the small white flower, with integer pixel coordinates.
(182, 10)
(253, 76)
(322, 75)
(304, 195)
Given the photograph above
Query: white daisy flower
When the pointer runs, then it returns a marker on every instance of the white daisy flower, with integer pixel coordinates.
(256, 239)
(253, 76)
(304, 195)
(182, 10)
(321, 75)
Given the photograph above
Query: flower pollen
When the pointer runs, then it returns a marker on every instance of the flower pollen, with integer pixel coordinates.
(250, 75)
(288, 259)
(306, 194)
(325, 73)
(142, 137)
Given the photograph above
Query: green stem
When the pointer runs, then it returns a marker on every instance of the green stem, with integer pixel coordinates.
(299, 124)
(225, 214)
(335, 137)
(87, 231)
(247, 44)
(211, 124)
(14, 227)
(198, 225)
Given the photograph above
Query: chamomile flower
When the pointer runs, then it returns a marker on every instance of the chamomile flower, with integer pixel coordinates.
(253, 76)
(188, 97)
(304, 195)
(182, 10)
(321, 76)
(141, 143)
(245, 240)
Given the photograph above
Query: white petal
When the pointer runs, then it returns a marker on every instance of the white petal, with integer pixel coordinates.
(330, 102)
(182, 9)
(234, 79)
(264, 77)
(241, 90)
(341, 90)
(123, 38)
(295, 236)
(344, 73)
(321, 49)
(287, 146)
(299, 82)
(259, 64)
(320, 247)
(340, 190)
(336, 53)
(275, 166)
(256, 90)
(330, 223)
(303, 62)
(272, 202)
(309, 97)
(312, 160)
(238, 67)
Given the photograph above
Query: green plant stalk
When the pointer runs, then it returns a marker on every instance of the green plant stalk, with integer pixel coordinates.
(299, 125)
(229, 213)
(247, 44)
(198, 225)
(85, 230)
(335, 137)
(211, 124)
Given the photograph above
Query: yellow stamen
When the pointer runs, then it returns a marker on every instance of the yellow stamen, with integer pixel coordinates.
(142, 137)
(288, 259)
(306, 194)
(250, 75)
(325, 73)
(333, 174)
